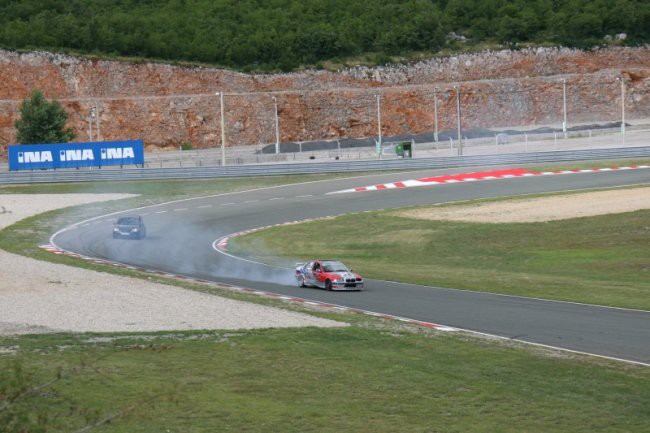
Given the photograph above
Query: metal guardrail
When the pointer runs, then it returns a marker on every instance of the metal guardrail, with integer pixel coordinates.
(62, 176)
(291, 152)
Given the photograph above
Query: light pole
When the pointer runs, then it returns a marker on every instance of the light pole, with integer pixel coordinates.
(99, 136)
(277, 126)
(460, 139)
(90, 123)
(378, 97)
(622, 80)
(564, 123)
(223, 129)
(435, 115)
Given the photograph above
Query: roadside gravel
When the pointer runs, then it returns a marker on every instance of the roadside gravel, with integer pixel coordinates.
(539, 209)
(37, 297)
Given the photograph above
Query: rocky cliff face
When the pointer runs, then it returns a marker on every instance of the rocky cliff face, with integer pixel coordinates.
(167, 105)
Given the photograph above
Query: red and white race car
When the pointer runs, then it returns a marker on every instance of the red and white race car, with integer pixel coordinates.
(328, 275)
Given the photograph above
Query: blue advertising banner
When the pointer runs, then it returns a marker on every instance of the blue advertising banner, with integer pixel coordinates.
(74, 155)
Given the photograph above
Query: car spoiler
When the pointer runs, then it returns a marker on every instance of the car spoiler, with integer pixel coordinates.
(299, 264)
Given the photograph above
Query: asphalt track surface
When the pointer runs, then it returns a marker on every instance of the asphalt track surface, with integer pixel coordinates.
(180, 236)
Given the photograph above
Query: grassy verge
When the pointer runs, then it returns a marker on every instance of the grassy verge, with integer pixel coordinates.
(171, 189)
(583, 165)
(361, 379)
(601, 260)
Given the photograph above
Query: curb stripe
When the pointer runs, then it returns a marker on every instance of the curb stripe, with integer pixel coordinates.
(479, 176)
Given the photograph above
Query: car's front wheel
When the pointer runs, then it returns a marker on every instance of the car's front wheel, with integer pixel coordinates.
(328, 285)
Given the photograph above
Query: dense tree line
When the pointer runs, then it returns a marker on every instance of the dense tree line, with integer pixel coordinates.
(284, 34)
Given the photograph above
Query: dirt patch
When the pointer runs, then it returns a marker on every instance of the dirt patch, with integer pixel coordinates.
(539, 209)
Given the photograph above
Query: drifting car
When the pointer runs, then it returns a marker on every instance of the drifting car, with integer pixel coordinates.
(129, 227)
(328, 275)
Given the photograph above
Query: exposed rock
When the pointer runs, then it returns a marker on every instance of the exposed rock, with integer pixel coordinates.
(168, 105)
(452, 36)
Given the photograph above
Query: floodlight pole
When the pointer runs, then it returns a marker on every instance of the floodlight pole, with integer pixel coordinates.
(460, 139)
(379, 124)
(99, 136)
(277, 126)
(90, 123)
(435, 115)
(564, 123)
(622, 80)
(223, 129)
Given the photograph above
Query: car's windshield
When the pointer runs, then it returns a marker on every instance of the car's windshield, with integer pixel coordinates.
(334, 267)
(128, 220)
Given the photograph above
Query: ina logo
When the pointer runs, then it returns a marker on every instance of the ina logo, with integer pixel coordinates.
(117, 153)
(30, 157)
(76, 155)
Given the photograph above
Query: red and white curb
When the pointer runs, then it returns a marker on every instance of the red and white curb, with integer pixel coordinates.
(269, 295)
(480, 176)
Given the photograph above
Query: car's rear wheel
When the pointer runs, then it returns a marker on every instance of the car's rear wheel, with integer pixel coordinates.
(301, 281)
(328, 285)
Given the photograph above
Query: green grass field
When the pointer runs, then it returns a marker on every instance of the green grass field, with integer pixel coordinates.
(365, 378)
(599, 260)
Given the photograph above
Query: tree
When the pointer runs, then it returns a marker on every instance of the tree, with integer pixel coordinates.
(42, 121)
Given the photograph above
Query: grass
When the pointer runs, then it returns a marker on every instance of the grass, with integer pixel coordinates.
(599, 260)
(583, 165)
(163, 190)
(361, 379)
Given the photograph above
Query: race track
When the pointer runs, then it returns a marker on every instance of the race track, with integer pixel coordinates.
(180, 237)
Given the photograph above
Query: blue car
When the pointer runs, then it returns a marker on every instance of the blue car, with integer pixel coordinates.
(129, 227)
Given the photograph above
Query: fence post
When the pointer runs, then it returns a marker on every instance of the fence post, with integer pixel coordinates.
(525, 142)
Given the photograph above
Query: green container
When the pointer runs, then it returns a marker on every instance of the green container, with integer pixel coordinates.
(404, 149)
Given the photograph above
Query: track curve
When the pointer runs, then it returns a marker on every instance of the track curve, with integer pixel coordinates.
(180, 236)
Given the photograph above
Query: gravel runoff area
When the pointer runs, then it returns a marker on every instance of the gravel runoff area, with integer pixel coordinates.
(539, 209)
(38, 297)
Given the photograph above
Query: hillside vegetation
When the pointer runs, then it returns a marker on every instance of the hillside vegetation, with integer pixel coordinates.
(285, 34)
